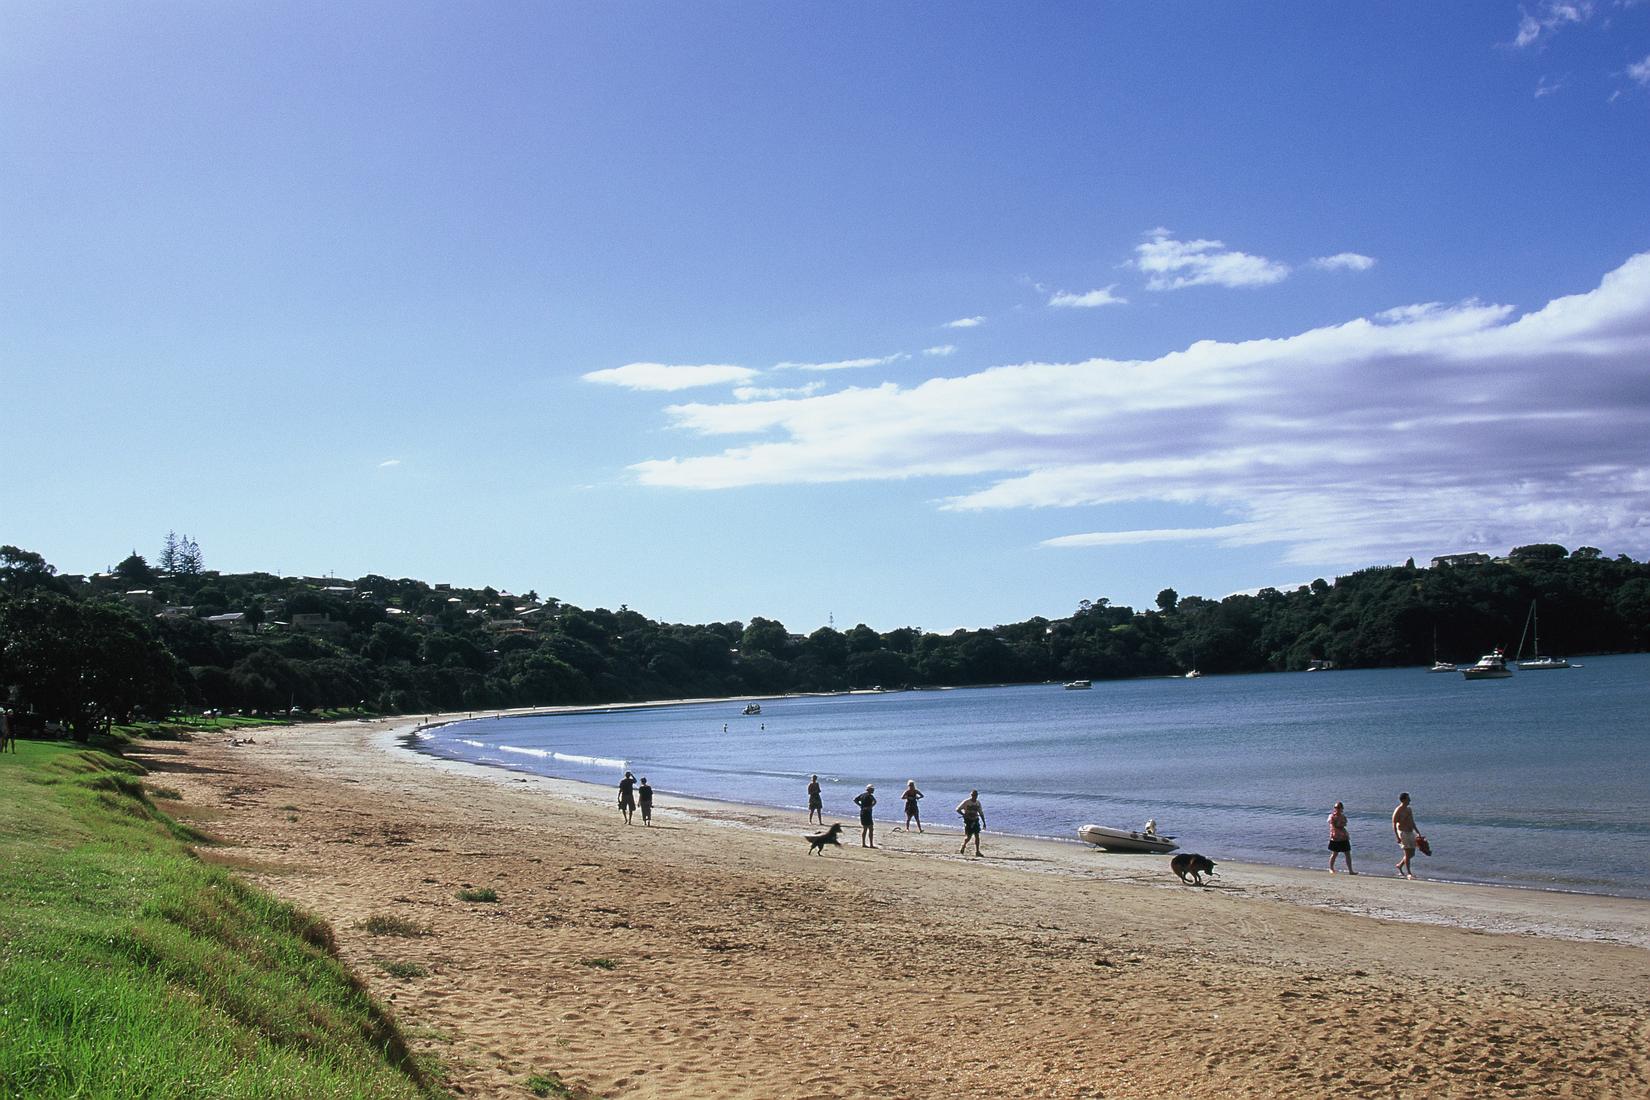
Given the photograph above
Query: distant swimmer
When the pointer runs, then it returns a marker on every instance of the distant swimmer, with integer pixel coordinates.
(911, 796)
(627, 796)
(867, 827)
(973, 815)
(644, 794)
(816, 803)
(1403, 827)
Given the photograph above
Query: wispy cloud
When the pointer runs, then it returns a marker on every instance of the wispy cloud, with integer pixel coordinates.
(776, 393)
(669, 377)
(1344, 261)
(1170, 264)
(1236, 531)
(941, 350)
(844, 364)
(388, 462)
(1549, 17)
(1639, 72)
(966, 322)
(1547, 86)
(1405, 433)
(1093, 299)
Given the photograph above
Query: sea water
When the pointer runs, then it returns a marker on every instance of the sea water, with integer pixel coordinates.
(1540, 780)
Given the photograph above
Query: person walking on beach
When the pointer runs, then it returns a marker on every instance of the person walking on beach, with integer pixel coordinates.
(973, 815)
(1403, 827)
(627, 796)
(816, 803)
(1339, 839)
(867, 827)
(644, 798)
(911, 795)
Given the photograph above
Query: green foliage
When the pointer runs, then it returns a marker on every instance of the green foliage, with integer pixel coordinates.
(132, 969)
(479, 893)
(403, 646)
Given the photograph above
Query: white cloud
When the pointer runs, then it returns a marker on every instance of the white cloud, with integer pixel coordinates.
(388, 462)
(772, 393)
(1423, 429)
(670, 376)
(1344, 261)
(1094, 298)
(1640, 71)
(843, 364)
(1171, 265)
(966, 322)
(1547, 86)
(941, 349)
(1548, 18)
(1135, 538)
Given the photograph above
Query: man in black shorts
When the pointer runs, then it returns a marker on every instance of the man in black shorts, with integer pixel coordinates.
(973, 815)
(816, 803)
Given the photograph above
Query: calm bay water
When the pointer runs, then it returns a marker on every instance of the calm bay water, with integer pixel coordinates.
(1541, 780)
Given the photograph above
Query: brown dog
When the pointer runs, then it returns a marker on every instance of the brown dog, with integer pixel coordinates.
(1191, 867)
(817, 841)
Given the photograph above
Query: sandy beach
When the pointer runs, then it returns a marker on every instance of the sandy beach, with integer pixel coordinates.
(711, 956)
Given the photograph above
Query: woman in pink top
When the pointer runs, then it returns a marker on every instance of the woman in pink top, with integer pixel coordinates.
(1339, 839)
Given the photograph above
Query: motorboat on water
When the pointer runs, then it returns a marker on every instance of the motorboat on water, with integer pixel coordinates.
(752, 708)
(1491, 666)
(1078, 685)
(1445, 666)
(1147, 839)
(1194, 674)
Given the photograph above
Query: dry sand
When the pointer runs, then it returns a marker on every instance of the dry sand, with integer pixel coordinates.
(711, 956)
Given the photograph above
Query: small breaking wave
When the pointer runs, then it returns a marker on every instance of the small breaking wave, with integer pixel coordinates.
(540, 753)
(593, 761)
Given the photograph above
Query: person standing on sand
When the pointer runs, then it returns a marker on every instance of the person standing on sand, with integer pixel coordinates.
(816, 802)
(1339, 839)
(644, 795)
(867, 827)
(911, 795)
(1403, 827)
(973, 815)
(627, 796)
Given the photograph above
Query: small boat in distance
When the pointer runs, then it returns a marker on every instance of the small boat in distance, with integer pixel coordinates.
(1147, 839)
(752, 708)
(1194, 674)
(1443, 666)
(1491, 666)
(1078, 685)
(1536, 662)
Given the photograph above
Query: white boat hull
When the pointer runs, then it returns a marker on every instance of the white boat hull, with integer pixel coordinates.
(1125, 840)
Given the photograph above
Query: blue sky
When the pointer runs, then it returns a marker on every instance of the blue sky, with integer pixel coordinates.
(904, 314)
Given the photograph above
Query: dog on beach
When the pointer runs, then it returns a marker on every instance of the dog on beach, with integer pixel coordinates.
(817, 841)
(1191, 867)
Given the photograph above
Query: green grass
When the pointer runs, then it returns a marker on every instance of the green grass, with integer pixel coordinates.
(547, 1084)
(128, 968)
(397, 968)
(382, 924)
(601, 964)
(479, 893)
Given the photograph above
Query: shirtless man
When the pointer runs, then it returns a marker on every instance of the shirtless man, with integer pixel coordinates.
(973, 815)
(1403, 827)
(816, 803)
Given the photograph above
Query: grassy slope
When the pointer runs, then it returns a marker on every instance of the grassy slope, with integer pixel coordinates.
(130, 969)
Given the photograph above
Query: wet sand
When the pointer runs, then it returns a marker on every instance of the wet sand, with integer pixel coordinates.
(712, 956)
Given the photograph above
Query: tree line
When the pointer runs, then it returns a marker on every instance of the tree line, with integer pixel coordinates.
(143, 641)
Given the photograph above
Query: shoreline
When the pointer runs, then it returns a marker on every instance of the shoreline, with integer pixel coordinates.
(1381, 861)
(1484, 907)
(712, 956)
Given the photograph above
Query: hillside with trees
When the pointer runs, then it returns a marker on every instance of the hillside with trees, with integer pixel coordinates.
(142, 640)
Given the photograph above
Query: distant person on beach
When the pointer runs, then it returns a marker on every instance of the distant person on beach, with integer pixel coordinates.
(627, 796)
(1339, 839)
(911, 795)
(644, 795)
(1403, 827)
(816, 802)
(973, 815)
(867, 827)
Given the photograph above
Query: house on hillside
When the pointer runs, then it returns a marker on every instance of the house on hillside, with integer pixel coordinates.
(1460, 559)
(231, 620)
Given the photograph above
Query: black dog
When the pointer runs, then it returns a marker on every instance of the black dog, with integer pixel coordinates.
(1191, 868)
(817, 841)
